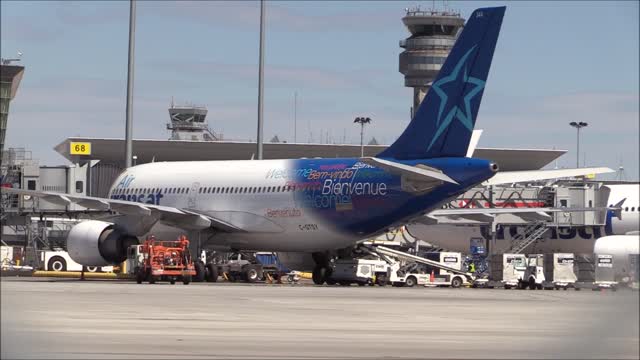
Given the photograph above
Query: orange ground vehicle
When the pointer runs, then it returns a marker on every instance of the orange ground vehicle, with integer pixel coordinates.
(165, 260)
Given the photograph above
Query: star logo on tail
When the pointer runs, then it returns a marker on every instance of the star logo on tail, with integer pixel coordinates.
(449, 109)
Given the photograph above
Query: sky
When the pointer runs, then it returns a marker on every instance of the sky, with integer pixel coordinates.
(555, 62)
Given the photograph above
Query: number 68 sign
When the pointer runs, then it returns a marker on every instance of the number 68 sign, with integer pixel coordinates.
(80, 148)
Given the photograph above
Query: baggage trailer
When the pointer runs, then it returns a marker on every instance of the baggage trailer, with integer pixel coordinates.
(164, 260)
(505, 270)
(558, 271)
(595, 271)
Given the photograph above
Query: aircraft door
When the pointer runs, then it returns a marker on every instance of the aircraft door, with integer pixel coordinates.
(193, 195)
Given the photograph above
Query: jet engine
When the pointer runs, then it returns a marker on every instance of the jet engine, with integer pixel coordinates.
(98, 243)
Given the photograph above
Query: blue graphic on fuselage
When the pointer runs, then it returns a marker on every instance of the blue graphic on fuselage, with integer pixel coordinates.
(146, 196)
(361, 199)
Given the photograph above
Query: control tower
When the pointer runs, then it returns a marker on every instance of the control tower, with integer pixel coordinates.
(189, 122)
(10, 76)
(433, 34)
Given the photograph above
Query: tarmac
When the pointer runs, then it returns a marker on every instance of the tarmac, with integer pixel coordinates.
(64, 318)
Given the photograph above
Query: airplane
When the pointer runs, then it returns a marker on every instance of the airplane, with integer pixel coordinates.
(307, 209)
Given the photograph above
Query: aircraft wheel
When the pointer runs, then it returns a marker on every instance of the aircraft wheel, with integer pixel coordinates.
(57, 263)
(212, 272)
(200, 271)
(319, 275)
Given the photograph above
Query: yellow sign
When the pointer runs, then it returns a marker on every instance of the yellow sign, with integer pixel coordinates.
(80, 148)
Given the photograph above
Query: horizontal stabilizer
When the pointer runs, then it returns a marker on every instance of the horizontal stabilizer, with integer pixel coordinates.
(414, 172)
(414, 179)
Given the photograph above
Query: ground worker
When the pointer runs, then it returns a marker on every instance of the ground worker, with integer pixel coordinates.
(472, 267)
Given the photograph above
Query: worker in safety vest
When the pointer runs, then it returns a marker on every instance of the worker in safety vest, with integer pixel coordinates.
(472, 267)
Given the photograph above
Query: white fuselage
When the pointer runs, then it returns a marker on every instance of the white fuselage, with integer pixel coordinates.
(256, 192)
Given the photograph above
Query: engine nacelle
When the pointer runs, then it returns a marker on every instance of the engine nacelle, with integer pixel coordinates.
(98, 243)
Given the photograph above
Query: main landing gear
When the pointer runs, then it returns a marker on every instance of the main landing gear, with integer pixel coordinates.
(322, 270)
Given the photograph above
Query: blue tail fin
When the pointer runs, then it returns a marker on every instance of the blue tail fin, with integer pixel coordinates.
(443, 124)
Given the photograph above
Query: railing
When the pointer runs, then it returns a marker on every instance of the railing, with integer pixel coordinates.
(531, 234)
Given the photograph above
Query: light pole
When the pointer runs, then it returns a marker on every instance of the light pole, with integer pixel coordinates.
(578, 126)
(260, 82)
(128, 143)
(362, 121)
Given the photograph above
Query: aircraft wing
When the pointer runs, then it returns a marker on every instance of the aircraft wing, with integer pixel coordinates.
(416, 179)
(184, 218)
(488, 214)
(511, 177)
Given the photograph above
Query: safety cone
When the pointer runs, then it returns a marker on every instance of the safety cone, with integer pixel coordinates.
(432, 276)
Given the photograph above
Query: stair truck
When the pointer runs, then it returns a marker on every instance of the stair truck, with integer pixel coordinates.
(505, 270)
(163, 260)
(595, 271)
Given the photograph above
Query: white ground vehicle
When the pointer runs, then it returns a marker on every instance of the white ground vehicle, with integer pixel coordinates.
(506, 270)
(61, 261)
(360, 271)
(549, 271)
(446, 268)
(534, 274)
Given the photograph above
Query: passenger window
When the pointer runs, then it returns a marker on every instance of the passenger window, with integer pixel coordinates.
(626, 209)
(633, 209)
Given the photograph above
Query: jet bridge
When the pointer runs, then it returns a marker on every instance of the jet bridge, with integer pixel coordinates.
(578, 197)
